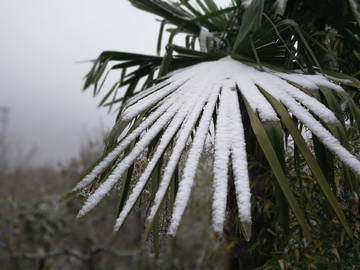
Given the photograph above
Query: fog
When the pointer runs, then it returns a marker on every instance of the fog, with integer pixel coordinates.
(41, 43)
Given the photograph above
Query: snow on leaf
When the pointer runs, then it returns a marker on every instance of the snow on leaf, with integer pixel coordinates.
(245, 78)
(165, 139)
(324, 135)
(221, 159)
(214, 84)
(129, 159)
(177, 103)
(126, 142)
(278, 88)
(239, 160)
(186, 183)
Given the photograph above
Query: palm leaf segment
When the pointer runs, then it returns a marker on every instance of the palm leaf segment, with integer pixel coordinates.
(188, 102)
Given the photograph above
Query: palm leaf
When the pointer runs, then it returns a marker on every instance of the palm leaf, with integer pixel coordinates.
(182, 97)
(196, 92)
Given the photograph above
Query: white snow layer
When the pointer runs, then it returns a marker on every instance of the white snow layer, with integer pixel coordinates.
(229, 138)
(165, 139)
(331, 78)
(125, 143)
(196, 149)
(221, 159)
(323, 134)
(214, 85)
(179, 101)
(239, 160)
(311, 82)
(106, 186)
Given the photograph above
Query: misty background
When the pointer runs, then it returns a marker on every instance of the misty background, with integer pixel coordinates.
(44, 114)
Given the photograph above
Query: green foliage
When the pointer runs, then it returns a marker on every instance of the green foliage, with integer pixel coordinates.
(331, 247)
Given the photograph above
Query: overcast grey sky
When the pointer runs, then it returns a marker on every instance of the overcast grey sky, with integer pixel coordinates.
(40, 82)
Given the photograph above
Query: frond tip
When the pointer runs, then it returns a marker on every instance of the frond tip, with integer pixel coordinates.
(186, 100)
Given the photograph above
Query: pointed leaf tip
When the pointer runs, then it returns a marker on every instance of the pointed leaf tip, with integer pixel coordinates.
(246, 230)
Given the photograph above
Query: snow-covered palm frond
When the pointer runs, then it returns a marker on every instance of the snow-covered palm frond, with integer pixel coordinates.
(254, 72)
(187, 100)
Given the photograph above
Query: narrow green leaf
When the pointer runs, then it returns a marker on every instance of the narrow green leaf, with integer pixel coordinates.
(276, 167)
(314, 166)
(190, 52)
(112, 89)
(174, 32)
(333, 104)
(155, 181)
(125, 185)
(71, 194)
(124, 56)
(211, 5)
(99, 73)
(255, 53)
(304, 44)
(354, 110)
(158, 48)
(165, 64)
(325, 159)
(352, 81)
(213, 14)
(275, 135)
(250, 22)
(175, 177)
(174, 186)
(169, 11)
(90, 75)
(339, 132)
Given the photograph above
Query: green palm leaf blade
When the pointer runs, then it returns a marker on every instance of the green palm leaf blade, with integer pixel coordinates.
(333, 104)
(175, 157)
(277, 168)
(134, 132)
(342, 78)
(171, 173)
(127, 176)
(213, 14)
(158, 47)
(354, 110)
(338, 131)
(275, 135)
(325, 158)
(89, 76)
(72, 193)
(155, 180)
(298, 139)
(125, 185)
(151, 172)
(250, 22)
(169, 11)
(112, 89)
